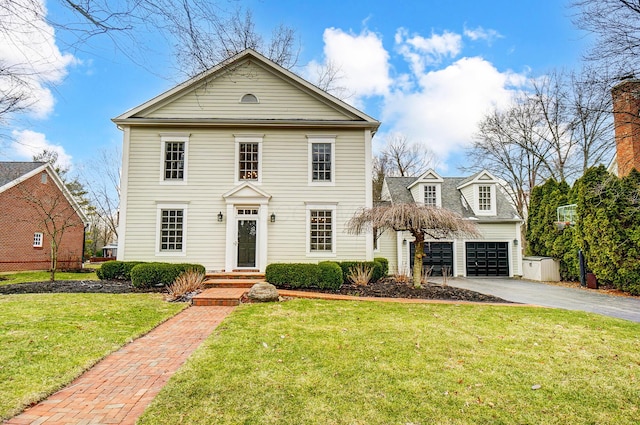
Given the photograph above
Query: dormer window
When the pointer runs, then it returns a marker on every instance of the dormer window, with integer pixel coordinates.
(486, 199)
(430, 195)
(249, 98)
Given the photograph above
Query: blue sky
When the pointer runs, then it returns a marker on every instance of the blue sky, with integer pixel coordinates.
(428, 70)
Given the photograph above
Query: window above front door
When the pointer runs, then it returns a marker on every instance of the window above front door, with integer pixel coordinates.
(248, 159)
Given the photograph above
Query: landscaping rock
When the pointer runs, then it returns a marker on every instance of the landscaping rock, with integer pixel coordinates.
(263, 292)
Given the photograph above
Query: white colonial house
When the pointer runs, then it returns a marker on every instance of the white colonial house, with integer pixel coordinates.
(245, 165)
(479, 198)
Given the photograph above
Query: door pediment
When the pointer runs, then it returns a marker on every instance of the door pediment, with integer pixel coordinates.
(246, 193)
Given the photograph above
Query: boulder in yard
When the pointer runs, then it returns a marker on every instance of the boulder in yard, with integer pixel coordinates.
(263, 292)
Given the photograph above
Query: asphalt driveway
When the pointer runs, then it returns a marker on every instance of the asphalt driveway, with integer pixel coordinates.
(524, 291)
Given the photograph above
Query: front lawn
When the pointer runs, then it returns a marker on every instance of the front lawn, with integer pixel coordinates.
(322, 362)
(43, 276)
(46, 340)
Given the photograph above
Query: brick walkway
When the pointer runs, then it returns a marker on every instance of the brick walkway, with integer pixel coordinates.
(121, 386)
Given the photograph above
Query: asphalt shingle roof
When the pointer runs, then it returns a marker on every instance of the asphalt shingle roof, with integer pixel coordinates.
(451, 197)
(9, 171)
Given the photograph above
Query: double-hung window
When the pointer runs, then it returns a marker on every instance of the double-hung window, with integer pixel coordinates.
(430, 195)
(171, 238)
(321, 160)
(249, 158)
(37, 240)
(485, 203)
(249, 161)
(174, 157)
(321, 232)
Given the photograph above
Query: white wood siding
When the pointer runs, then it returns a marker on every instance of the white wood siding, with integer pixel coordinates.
(220, 98)
(211, 162)
(387, 248)
(469, 195)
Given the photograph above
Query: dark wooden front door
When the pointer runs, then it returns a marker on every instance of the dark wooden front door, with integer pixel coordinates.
(247, 230)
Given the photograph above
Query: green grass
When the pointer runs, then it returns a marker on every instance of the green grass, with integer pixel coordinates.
(46, 340)
(42, 276)
(320, 362)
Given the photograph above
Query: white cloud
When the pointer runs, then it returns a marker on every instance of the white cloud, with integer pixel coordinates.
(27, 143)
(480, 33)
(421, 52)
(444, 110)
(28, 49)
(362, 62)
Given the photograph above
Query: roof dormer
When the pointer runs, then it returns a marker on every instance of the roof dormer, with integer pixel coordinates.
(480, 191)
(427, 189)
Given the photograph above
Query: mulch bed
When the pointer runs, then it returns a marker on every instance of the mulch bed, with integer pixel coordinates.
(75, 286)
(388, 288)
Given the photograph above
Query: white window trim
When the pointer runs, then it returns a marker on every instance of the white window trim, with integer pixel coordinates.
(174, 137)
(321, 139)
(438, 193)
(322, 254)
(35, 239)
(159, 208)
(248, 139)
(491, 211)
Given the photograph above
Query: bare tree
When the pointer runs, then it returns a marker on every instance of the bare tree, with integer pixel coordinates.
(591, 109)
(202, 32)
(205, 36)
(559, 130)
(102, 177)
(328, 77)
(404, 158)
(616, 25)
(54, 214)
(507, 144)
(421, 221)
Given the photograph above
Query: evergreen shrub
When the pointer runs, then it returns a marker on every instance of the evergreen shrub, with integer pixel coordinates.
(116, 270)
(160, 274)
(325, 275)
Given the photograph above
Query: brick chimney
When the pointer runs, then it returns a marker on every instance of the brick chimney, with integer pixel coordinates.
(626, 118)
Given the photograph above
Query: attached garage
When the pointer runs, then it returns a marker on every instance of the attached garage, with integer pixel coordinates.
(487, 259)
(437, 256)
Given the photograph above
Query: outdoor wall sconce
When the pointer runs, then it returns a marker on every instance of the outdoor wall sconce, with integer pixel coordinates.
(220, 216)
(273, 217)
(515, 242)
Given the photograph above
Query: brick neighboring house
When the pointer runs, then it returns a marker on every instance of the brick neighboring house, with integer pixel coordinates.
(33, 201)
(626, 115)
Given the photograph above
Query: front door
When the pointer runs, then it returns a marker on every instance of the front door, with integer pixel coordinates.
(247, 231)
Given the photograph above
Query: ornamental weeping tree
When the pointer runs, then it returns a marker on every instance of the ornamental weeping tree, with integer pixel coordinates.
(422, 221)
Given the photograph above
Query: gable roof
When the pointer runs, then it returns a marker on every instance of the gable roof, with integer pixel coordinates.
(452, 199)
(137, 114)
(14, 173)
(480, 176)
(10, 171)
(428, 176)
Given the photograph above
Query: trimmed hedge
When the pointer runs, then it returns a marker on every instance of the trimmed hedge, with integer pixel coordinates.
(377, 266)
(330, 275)
(160, 274)
(118, 270)
(385, 265)
(326, 275)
